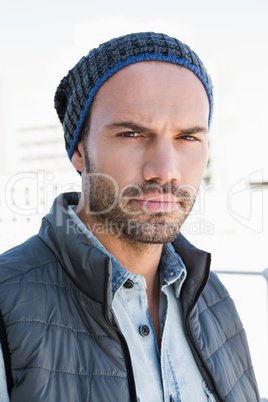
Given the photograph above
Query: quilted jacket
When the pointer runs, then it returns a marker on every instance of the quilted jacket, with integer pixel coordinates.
(64, 341)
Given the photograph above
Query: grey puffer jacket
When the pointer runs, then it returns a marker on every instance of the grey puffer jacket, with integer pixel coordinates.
(64, 342)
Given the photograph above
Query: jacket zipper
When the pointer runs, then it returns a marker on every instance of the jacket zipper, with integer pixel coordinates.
(130, 375)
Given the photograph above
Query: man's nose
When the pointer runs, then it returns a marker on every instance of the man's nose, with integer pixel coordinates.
(162, 162)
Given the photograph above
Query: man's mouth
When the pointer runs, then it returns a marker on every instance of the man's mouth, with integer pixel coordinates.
(157, 202)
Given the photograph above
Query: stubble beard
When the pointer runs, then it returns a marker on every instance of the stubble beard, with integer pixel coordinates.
(116, 214)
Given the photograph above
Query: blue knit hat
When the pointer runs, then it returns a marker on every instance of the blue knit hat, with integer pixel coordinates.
(76, 91)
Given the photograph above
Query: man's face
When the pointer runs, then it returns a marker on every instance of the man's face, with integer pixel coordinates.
(146, 151)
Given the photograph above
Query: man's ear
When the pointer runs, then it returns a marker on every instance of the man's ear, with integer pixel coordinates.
(78, 157)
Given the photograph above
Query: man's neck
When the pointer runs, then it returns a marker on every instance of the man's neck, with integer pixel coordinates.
(138, 258)
(141, 259)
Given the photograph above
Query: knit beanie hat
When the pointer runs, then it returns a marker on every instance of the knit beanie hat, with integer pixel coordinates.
(76, 91)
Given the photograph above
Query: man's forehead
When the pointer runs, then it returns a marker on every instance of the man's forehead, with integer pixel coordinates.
(141, 81)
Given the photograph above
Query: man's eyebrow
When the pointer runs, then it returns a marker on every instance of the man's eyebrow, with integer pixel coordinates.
(194, 130)
(139, 128)
(130, 125)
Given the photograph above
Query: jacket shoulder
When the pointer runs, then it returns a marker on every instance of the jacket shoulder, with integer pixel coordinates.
(31, 254)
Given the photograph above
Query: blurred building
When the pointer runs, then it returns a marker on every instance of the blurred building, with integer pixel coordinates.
(42, 147)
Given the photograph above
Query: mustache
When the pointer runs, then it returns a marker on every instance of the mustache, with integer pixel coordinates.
(183, 194)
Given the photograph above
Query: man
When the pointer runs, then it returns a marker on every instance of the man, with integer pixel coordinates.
(109, 302)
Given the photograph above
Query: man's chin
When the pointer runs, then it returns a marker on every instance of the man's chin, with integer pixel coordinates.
(151, 233)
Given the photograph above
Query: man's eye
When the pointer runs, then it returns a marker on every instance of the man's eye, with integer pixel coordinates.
(189, 138)
(129, 134)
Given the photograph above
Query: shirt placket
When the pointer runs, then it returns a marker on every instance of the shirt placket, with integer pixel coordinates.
(135, 323)
(170, 388)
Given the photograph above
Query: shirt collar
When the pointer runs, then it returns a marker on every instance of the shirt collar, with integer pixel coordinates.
(172, 269)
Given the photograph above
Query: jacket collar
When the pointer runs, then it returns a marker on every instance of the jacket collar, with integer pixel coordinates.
(88, 267)
(197, 263)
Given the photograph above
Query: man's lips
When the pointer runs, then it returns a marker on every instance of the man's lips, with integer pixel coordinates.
(169, 198)
(157, 202)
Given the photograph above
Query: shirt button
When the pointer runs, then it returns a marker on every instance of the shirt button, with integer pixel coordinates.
(128, 284)
(144, 330)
